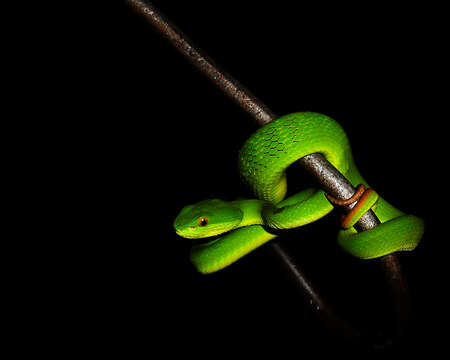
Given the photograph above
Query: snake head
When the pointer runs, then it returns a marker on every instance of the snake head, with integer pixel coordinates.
(207, 218)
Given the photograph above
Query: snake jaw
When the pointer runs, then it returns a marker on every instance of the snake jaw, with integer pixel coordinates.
(194, 232)
(184, 234)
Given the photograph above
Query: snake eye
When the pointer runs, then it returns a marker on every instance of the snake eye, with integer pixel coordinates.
(203, 221)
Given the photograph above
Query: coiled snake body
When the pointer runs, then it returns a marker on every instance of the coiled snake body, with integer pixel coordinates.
(245, 224)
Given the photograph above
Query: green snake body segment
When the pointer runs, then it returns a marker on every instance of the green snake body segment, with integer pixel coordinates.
(245, 224)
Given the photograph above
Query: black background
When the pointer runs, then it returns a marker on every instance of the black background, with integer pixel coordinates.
(152, 135)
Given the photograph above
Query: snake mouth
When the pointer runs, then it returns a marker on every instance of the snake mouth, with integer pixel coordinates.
(205, 241)
(196, 240)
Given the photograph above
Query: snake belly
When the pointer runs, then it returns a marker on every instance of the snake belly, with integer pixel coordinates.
(263, 160)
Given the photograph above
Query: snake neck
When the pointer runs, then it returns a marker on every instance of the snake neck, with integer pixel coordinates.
(251, 210)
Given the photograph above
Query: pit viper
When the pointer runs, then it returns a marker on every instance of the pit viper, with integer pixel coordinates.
(232, 229)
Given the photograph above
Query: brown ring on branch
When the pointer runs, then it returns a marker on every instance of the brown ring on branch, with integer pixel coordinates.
(355, 197)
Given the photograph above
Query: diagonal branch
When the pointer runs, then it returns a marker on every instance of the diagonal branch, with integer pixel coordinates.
(329, 178)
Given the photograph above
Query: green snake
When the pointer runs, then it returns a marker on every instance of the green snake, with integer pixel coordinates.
(235, 228)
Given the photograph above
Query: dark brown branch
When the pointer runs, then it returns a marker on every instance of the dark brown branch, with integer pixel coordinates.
(329, 178)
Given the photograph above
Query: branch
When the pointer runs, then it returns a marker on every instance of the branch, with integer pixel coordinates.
(329, 178)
